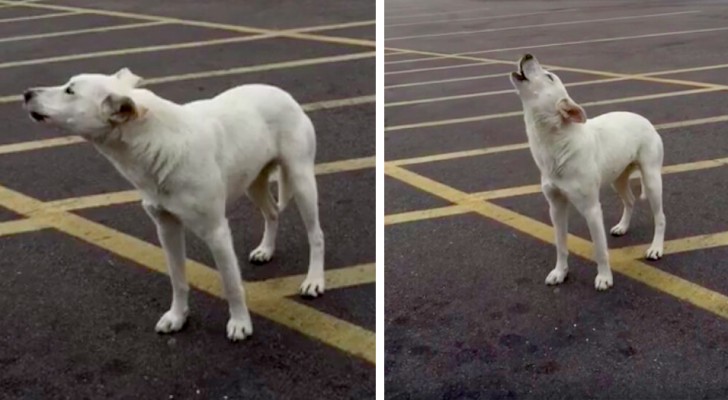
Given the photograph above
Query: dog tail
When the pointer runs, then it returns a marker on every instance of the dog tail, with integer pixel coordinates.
(284, 189)
(643, 194)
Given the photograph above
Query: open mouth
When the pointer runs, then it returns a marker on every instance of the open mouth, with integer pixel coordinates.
(38, 117)
(520, 75)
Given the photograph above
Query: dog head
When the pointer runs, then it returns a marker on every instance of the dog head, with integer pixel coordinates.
(543, 94)
(89, 105)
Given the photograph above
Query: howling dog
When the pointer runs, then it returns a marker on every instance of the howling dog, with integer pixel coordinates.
(577, 157)
(191, 161)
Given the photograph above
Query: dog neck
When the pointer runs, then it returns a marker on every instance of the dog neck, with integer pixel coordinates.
(551, 141)
(147, 150)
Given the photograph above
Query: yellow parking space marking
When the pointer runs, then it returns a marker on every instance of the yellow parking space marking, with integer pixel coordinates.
(337, 278)
(490, 93)
(440, 81)
(259, 68)
(330, 27)
(600, 40)
(533, 26)
(92, 201)
(517, 113)
(39, 144)
(430, 14)
(409, 71)
(698, 242)
(130, 196)
(20, 226)
(524, 145)
(43, 16)
(653, 77)
(132, 50)
(239, 71)
(335, 332)
(672, 285)
(455, 20)
(527, 190)
(290, 33)
(81, 31)
(328, 104)
(330, 330)
(367, 162)
(431, 213)
(410, 60)
(459, 154)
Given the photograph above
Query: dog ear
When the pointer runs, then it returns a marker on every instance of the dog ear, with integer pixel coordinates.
(570, 111)
(122, 109)
(126, 76)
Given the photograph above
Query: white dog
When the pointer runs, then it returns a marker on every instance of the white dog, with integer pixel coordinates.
(577, 156)
(190, 161)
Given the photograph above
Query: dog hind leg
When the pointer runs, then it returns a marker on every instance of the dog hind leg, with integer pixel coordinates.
(259, 193)
(621, 185)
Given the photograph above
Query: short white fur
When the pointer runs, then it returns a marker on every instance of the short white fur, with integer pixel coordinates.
(577, 156)
(191, 161)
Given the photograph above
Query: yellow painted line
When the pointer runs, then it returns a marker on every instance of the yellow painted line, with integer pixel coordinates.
(429, 14)
(532, 26)
(39, 144)
(353, 164)
(411, 60)
(92, 201)
(517, 113)
(36, 17)
(490, 93)
(699, 242)
(335, 332)
(459, 154)
(440, 81)
(132, 50)
(691, 69)
(641, 77)
(455, 20)
(290, 33)
(409, 71)
(130, 196)
(332, 331)
(310, 107)
(20, 226)
(524, 145)
(655, 278)
(344, 25)
(525, 190)
(81, 31)
(240, 71)
(412, 216)
(337, 278)
(328, 104)
(600, 40)
(259, 68)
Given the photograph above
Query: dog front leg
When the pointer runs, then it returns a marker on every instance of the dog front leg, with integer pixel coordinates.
(171, 235)
(591, 209)
(218, 238)
(559, 211)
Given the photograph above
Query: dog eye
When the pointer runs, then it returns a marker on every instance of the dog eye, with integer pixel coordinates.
(69, 90)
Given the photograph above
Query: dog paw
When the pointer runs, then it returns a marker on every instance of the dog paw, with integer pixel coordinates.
(618, 230)
(654, 253)
(556, 276)
(312, 287)
(171, 322)
(603, 281)
(239, 328)
(261, 255)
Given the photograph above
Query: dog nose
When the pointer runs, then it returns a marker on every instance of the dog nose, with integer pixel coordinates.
(28, 95)
(527, 57)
